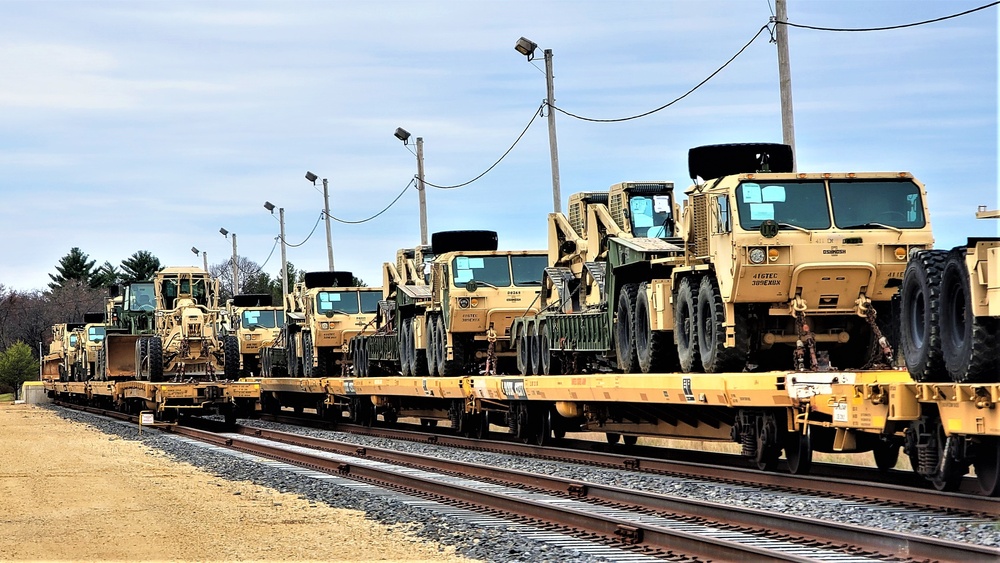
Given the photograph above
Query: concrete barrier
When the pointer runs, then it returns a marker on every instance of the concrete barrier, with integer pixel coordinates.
(33, 393)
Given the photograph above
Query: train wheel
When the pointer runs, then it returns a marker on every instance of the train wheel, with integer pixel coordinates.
(886, 455)
(524, 352)
(968, 343)
(551, 364)
(920, 337)
(628, 360)
(686, 327)
(405, 347)
(155, 355)
(231, 357)
(418, 359)
(798, 451)
(613, 437)
(711, 315)
(630, 440)
(987, 463)
(483, 426)
(543, 426)
(768, 447)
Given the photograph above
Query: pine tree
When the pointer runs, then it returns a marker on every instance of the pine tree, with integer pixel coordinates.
(73, 267)
(141, 266)
(106, 275)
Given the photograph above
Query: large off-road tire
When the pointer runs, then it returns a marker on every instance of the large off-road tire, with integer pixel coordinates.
(405, 348)
(628, 360)
(715, 356)
(418, 359)
(141, 357)
(551, 363)
(655, 350)
(536, 349)
(524, 351)
(155, 352)
(433, 350)
(686, 326)
(968, 343)
(294, 364)
(307, 356)
(448, 367)
(920, 337)
(231, 357)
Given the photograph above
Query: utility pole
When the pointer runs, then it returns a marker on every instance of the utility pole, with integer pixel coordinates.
(284, 261)
(785, 79)
(236, 270)
(326, 214)
(550, 96)
(421, 192)
(204, 256)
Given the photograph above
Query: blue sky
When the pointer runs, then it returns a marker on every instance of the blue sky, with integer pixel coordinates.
(148, 125)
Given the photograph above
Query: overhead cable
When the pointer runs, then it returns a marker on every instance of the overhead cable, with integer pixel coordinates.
(386, 208)
(890, 27)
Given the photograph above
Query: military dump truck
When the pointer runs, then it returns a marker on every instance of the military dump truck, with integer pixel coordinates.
(323, 313)
(950, 321)
(457, 319)
(770, 269)
(255, 323)
(185, 342)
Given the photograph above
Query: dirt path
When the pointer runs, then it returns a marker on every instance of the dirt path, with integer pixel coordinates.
(69, 492)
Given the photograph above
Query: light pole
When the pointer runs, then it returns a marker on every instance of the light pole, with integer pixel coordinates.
(527, 48)
(326, 214)
(284, 262)
(785, 79)
(236, 276)
(404, 135)
(204, 256)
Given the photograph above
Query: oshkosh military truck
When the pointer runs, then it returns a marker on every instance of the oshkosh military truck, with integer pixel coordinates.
(255, 323)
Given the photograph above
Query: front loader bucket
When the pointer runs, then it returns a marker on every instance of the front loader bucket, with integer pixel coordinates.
(120, 350)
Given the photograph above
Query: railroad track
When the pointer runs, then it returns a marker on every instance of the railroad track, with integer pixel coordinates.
(847, 489)
(647, 524)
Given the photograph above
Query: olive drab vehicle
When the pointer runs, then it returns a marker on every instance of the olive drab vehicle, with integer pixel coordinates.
(130, 312)
(185, 343)
(323, 314)
(453, 307)
(89, 344)
(255, 323)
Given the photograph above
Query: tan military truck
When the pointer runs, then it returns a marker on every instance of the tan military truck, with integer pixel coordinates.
(950, 311)
(59, 363)
(185, 343)
(90, 342)
(255, 323)
(323, 313)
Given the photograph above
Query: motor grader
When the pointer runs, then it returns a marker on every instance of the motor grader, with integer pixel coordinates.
(58, 364)
(185, 342)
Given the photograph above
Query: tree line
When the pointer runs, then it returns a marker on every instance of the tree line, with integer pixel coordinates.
(79, 286)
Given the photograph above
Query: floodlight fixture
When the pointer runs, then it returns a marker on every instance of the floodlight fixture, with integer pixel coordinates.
(311, 177)
(402, 134)
(526, 47)
(269, 206)
(224, 232)
(195, 250)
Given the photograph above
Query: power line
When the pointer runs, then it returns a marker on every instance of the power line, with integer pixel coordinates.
(675, 100)
(386, 208)
(503, 156)
(307, 237)
(890, 27)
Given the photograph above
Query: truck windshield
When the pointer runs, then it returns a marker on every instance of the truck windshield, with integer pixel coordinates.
(489, 270)
(344, 302)
(876, 204)
(369, 301)
(651, 216)
(528, 269)
(263, 319)
(95, 334)
(791, 204)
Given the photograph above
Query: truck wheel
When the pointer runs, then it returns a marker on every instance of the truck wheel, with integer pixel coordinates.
(432, 345)
(628, 360)
(291, 356)
(524, 352)
(968, 343)
(655, 349)
(405, 345)
(715, 357)
(308, 355)
(231, 357)
(919, 325)
(155, 359)
(456, 366)
(536, 350)
(418, 360)
(142, 358)
(550, 362)
(686, 327)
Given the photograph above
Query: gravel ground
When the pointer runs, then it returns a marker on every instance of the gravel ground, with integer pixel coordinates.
(924, 523)
(484, 543)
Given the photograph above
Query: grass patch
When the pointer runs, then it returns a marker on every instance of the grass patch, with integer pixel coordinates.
(6, 397)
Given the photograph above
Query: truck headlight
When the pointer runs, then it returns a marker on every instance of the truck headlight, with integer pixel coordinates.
(324, 326)
(757, 255)
(463, 302)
